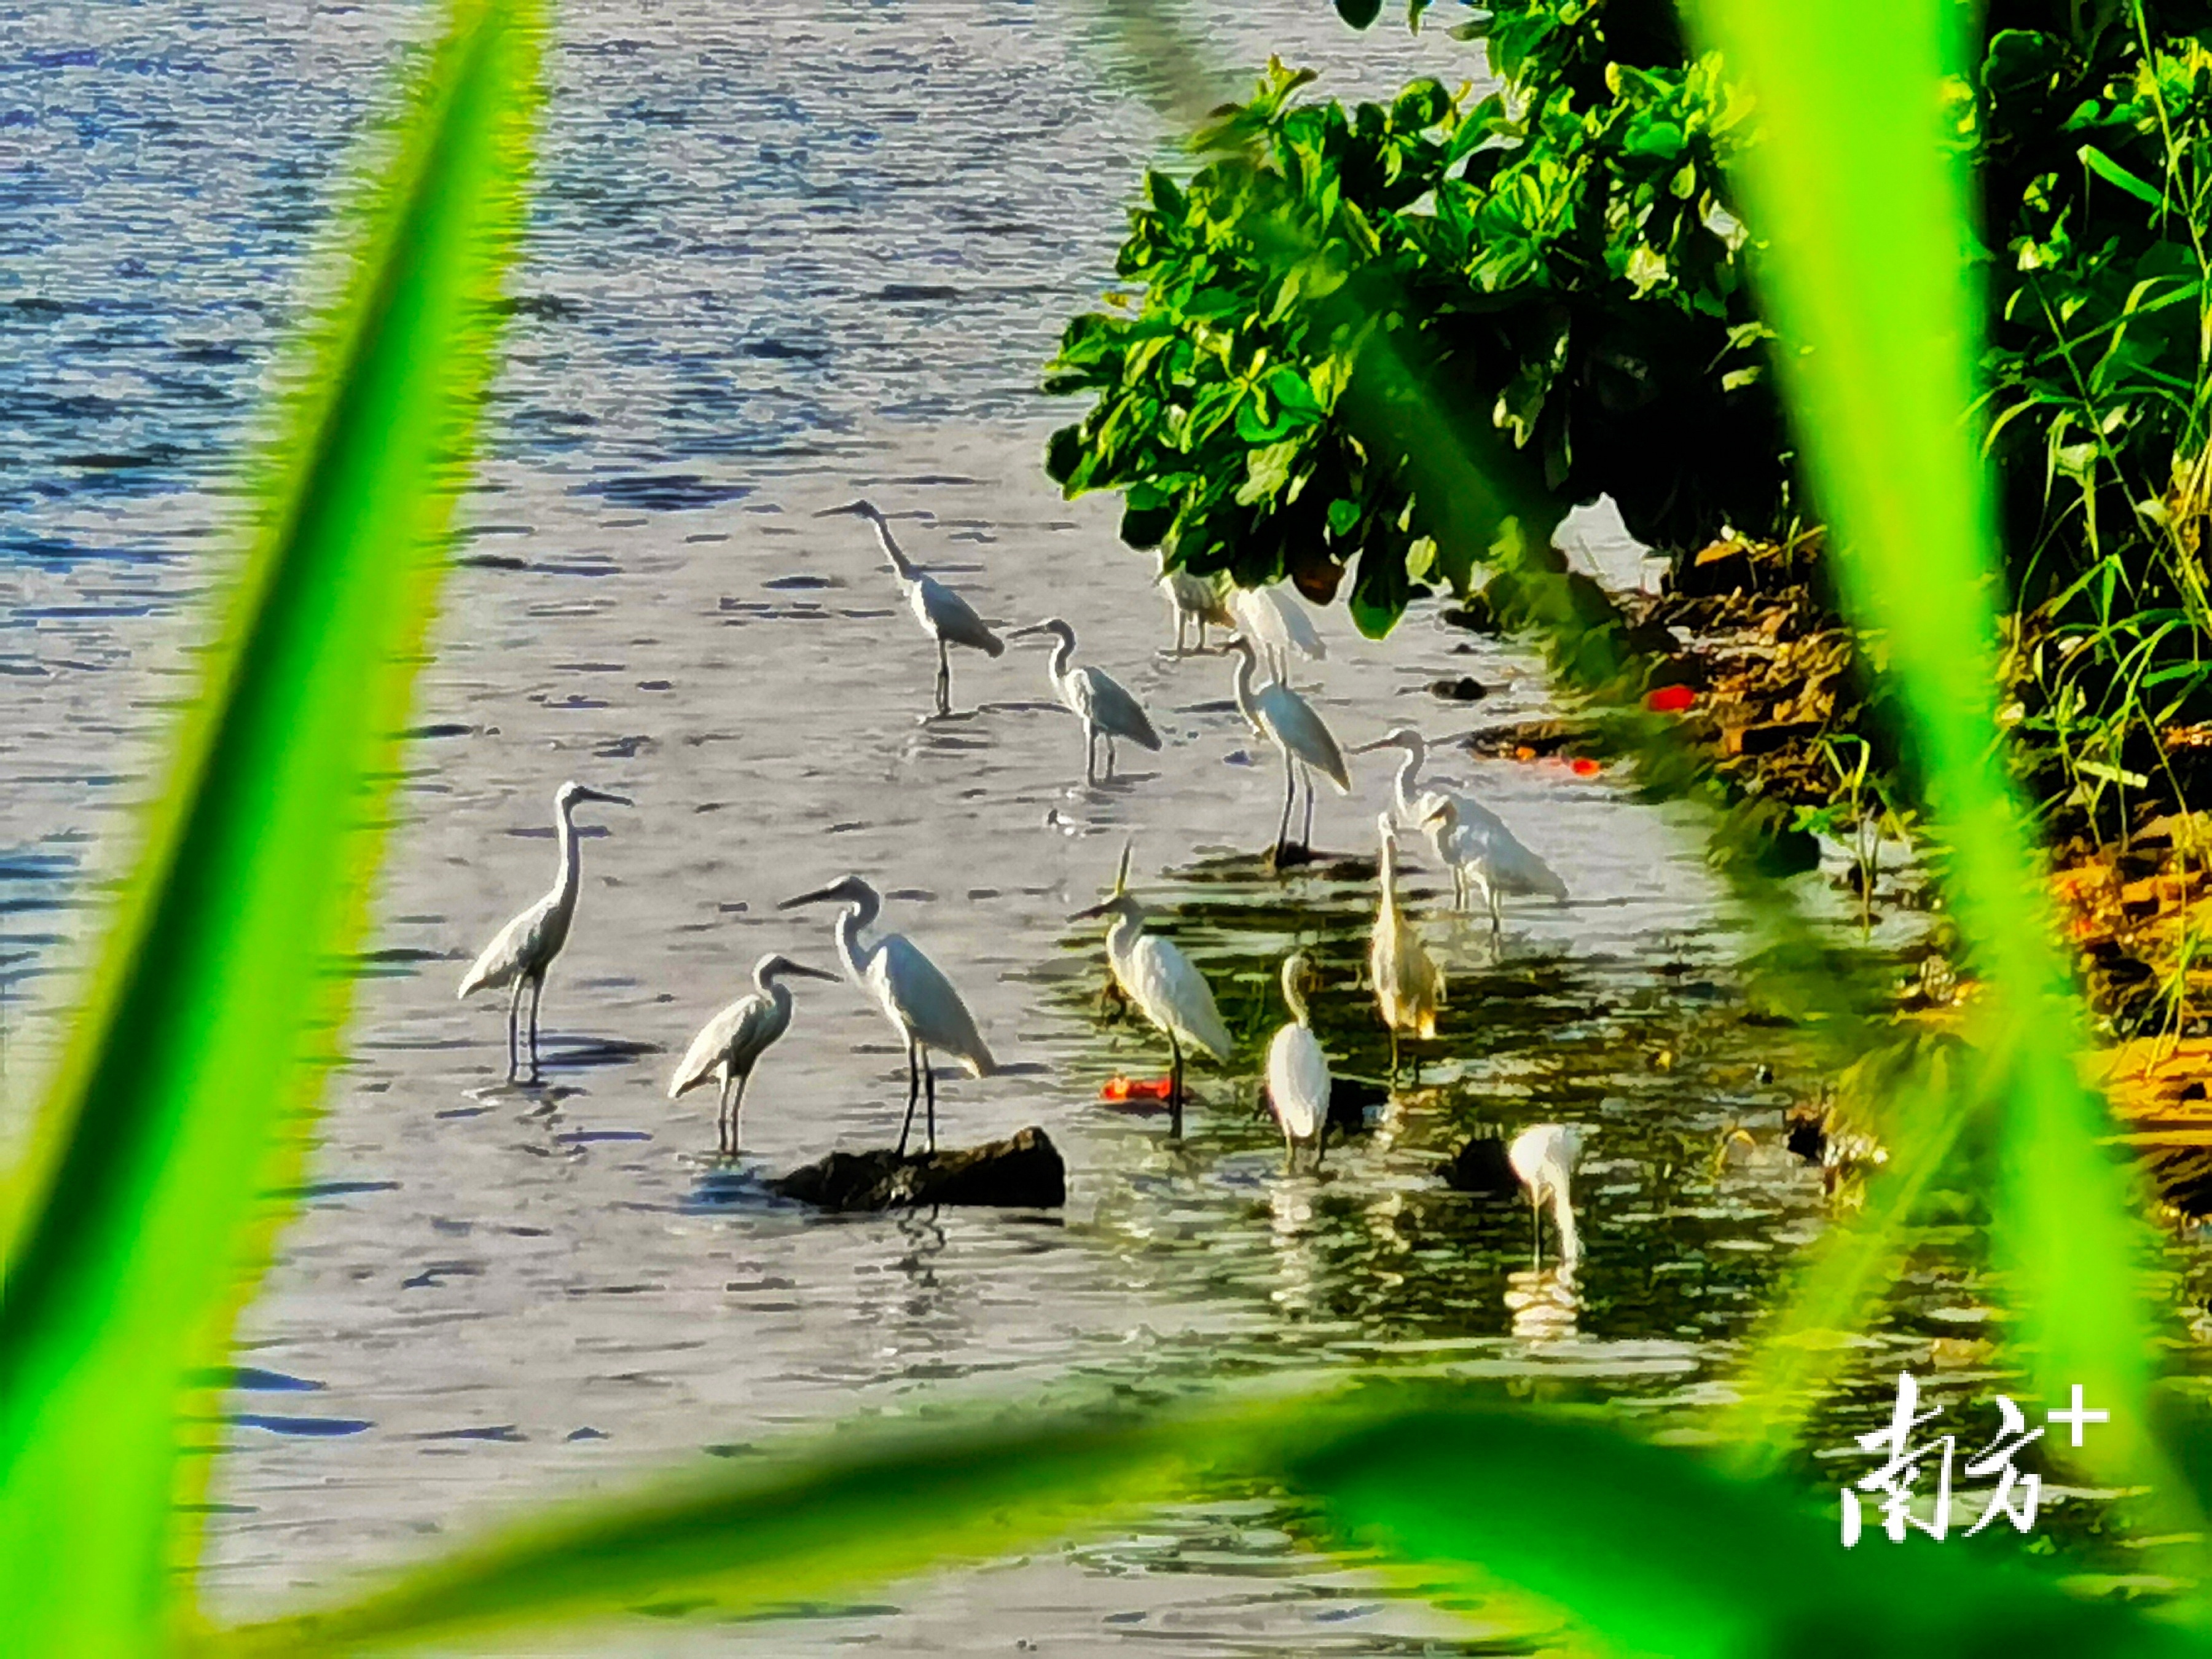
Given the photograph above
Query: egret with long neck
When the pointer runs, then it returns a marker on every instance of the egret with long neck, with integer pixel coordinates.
(1288, 721)
(942, 614)
(732, 1043)
(1544, 1158)
(526, 947)
(913, 992)
(1298, 1071)
(1409, 985)
(1093, 696)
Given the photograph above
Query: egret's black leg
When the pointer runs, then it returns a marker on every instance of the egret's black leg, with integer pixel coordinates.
(1091, 753)
(929, 1087)
(537, 995)
(1394, 1053)
(1305, 841)
(1290, 794)
(943, 679)
(514, 1030)
(1174, 1088)
(722, 1116)
(913, 1092)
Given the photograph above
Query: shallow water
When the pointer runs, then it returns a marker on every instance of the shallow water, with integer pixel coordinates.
(783, 258)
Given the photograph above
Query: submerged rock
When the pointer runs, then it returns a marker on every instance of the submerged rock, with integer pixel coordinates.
(1023, 1173)
(1482, 1168)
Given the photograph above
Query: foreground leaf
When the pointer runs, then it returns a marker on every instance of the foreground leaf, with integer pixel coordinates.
(132, 1228)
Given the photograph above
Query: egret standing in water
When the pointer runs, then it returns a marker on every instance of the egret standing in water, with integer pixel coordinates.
(1288, 721)
(1471, 840)
(1297, 1072)
(1277, 624)
(1194, 599)
(944, 615)
(1093, 696)
(1159, 979)
(1544, 1157)
(1409, 985)
(526, 947)
(732, 1043)
(911, 990)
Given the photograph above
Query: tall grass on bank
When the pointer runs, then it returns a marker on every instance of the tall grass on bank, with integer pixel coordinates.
(136, 1226)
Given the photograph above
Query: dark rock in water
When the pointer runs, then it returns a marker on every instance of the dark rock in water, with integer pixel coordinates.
(1481, 1167)
(1349, 1100)
(1465, 689)
(1022, 1173)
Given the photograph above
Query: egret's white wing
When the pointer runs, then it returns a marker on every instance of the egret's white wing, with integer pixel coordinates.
(1298, 1082)
(1295, 725)
(517, 945)
(1173, 995)
(1108, 706)
(945, 613)
(1276, 620)
(710, 1047)
(918, 997)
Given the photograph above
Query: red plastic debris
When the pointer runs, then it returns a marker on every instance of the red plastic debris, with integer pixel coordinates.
(1670, 699)
(1586, 768)
(1134, 1087)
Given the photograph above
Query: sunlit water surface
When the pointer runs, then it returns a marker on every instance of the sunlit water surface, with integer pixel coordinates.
(783, 255)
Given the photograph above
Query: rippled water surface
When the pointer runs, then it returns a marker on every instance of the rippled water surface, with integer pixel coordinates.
(784, 255)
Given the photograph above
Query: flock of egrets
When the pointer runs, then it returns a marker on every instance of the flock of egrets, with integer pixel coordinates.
(1486, 862)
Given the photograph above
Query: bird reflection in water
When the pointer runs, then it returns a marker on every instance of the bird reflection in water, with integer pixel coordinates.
(1292, 1231)
(1544, 1302)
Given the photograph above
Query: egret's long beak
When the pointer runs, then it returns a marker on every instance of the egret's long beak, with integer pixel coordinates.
(1099, 909)
(600, 795)
(850, 510)
(1370, 748)
(1027, 632)
(811, 973)
(1437, 816)
(815, 898)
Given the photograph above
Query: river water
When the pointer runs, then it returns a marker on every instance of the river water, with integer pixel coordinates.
(783, 255)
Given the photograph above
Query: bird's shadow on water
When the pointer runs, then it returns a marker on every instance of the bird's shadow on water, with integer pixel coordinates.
(724, 1184)
(580, 1052)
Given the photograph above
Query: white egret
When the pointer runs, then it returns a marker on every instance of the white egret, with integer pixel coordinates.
(1297, 1072)
(1167, 990)
(1093, 696)
(1288, 721)
(1194, 599)
(944, 615)
(526, 947)
(1277, 624)
(1470, 840)
(732, 1043)
(1544, 1157)
(1409, 984)
(911, 990)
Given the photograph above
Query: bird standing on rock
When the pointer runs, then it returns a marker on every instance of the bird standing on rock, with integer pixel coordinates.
(732, 1043)
(1160, 980)
(944, 615)
(911, 990)
(1093, 696)
(1297, 1072)
(526, 947)
(1288, 721)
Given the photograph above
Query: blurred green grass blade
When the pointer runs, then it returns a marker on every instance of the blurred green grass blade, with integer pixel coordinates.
(1655, 1553)
(1858, 185)
(1647, 1547)
(136, 1221)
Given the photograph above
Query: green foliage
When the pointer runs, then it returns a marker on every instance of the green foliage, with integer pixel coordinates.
(135, 1222)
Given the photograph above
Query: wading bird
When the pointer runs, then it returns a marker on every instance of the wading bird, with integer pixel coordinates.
(1297, 1072)
(911, 990)
(1475, 842)
(1409, 985)
(944, 615)
(526, 947)
(1288, 721)
(1544, 1158)
(1194, 599)
(1159, 979)
(1277, 624)
(1093, 696)
(1471, 840)
(732, 1043)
